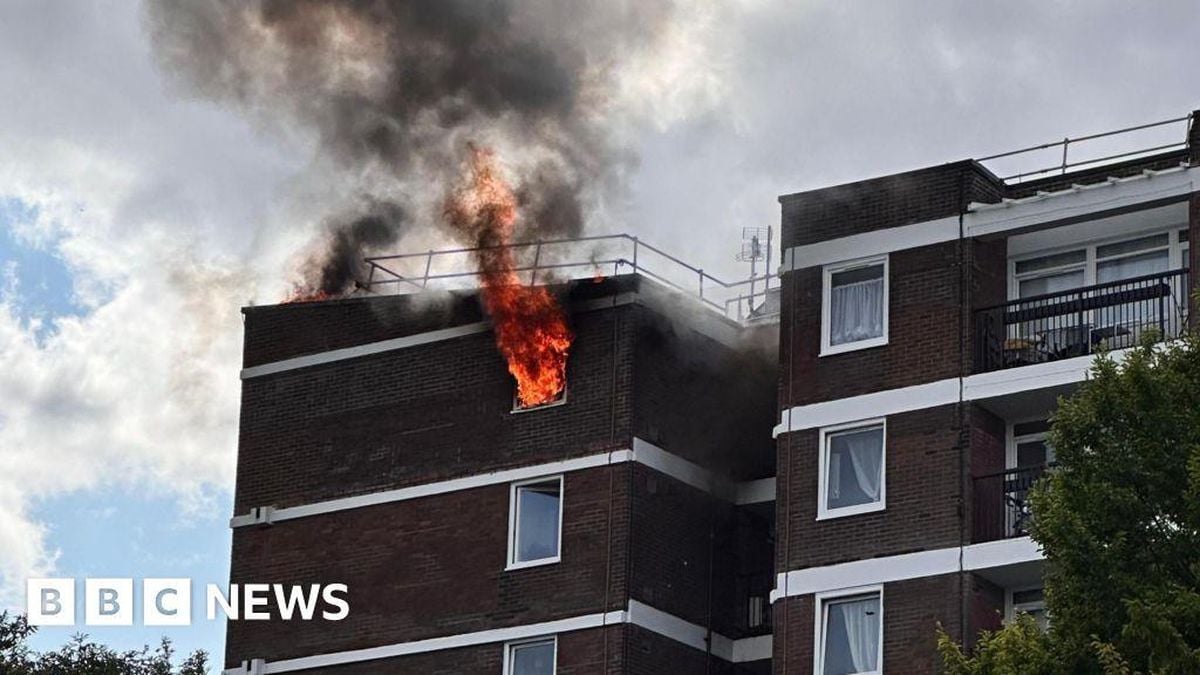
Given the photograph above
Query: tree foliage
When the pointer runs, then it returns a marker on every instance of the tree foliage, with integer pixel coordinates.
(80, 656)
(1119, 522)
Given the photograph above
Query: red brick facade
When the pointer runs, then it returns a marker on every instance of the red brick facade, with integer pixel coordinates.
(435, 566)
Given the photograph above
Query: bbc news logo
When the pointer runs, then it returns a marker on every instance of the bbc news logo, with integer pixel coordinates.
(168, 602)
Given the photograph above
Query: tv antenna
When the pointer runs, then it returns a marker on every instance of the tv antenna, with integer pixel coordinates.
(756, 246)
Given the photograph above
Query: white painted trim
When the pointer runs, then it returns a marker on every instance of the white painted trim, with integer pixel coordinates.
(829, 349)
(754, 491)
(514, 523)
(644, 453)
(872, 571)
(1000, 553)
(820, 603)
(823, 510)
(868, 406)
(942, 392)
(637, 613)
(368, 349)
(681, 469)
(1116, 193)
(509, 646)
(876, 243)
(439, 487)
(750, 649)
(983, 219)
(887, 569)
(447, 642)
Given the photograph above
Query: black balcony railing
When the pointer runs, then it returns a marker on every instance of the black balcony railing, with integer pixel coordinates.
(1081, 321)
(1002, 503)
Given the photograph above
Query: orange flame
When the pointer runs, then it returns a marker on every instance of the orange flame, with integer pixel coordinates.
(301, 294)
(531, 328)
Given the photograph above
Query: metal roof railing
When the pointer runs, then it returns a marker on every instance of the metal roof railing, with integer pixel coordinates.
(1066, 144)
(574, 258)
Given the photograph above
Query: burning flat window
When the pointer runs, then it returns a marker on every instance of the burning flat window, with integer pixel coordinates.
(535, 522)
(558, 399)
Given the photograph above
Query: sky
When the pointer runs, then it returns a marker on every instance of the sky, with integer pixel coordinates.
(137, 218)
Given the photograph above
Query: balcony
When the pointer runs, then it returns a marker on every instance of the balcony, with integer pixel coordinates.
(1002, 503)
(1081, 321)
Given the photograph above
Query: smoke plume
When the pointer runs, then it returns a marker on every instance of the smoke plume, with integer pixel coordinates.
(394, 90)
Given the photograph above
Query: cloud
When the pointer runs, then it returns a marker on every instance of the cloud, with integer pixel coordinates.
(162, 211)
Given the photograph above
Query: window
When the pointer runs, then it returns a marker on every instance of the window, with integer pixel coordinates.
(1029, 445)
(535, 522)
(849, 632)
(1097, 264)
(851, 469)
(1031, 602)
(855, 305)
(531, 657)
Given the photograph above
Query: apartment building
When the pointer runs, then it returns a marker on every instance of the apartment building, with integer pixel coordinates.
(624, 528)
(814, 488)
(929, 322)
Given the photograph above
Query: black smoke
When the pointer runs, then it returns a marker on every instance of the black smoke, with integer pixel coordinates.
(399, 87)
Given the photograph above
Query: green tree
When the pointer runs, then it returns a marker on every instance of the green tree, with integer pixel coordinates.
(1119, 521)
(80, 656)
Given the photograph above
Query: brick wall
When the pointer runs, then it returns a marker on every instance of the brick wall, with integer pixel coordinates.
(912, 610)
(426, 413)
(579, 653)
(434, 566)
(888, 201)
(922, 496)
(923, 331)
(702, 400)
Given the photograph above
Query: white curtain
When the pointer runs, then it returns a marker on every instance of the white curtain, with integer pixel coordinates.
(856, 311)
(863, 452)
(860, 621)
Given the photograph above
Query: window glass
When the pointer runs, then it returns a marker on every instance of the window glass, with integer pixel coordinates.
(1133, 245)
(1053, 283)
(852, 634)
(1051, 261)
(1033, 603)
(1132, 266)
(1183, 236)
(531, 658)
(856, 299)
(855, 467)
(536, 531)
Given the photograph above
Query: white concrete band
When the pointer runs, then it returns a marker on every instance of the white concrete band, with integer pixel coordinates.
(393, 344)
(637, 613)
(888, 569)
(643, 452)
(1005, 216)
(942, 392)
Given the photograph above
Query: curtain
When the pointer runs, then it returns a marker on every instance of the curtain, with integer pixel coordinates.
(856, 311)
(860, 455)
(859, 620)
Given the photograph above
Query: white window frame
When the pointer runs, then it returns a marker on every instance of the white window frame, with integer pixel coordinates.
(823, 511)
(513, 563)
(821, 601)
(1090, 264)
(517, 408)
(1010, 453)
(1011, 608)
(827, 273)
(509, 646)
